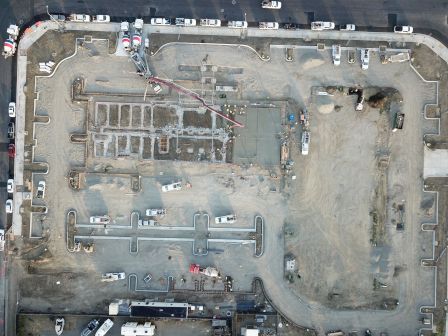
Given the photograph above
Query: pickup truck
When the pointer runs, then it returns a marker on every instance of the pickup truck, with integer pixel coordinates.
(268, 25)
(172, 187)
(101, 18)
(336, 53)
(210, 23)
(228, 219)
(79, 18)
(365, 58)
(41, 189)
(322, 25)
(155, 212)
(147, 222)
(271, 4)
(185, 22)
(100, 219)
(403, 29)
(237, 24)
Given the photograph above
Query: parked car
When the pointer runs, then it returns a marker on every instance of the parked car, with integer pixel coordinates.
(403, 29)
(10, 186)
(12, 150)
(185, 22)
(268, 25)
(41, 189)
(271, 4)
(228, 219)
(8, 206)
(348, 27)
(365, 58)
(100, 219)
(12, 110)
(210, 23)
(90, 327)
(147, 278)
(79, 18)
(336, 53)
(58, 17)
(160, 21)
(322, 25)
(147, 222)
(290, 26)
(101, 18)
(237, 24)
(172, 186)
(11, 130)
(2, 240)
(156, 87)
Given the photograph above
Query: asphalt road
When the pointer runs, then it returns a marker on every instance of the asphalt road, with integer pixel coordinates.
(427, 16)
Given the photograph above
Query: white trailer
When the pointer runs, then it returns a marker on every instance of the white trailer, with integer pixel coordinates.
(305, 142)
(399, 58)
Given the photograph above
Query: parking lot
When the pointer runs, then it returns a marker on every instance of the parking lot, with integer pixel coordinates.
(336, 217)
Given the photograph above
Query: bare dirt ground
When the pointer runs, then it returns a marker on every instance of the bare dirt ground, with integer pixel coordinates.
(324, 216)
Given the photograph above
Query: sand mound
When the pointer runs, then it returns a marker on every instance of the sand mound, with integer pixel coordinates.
(325, 105)
(311, 60)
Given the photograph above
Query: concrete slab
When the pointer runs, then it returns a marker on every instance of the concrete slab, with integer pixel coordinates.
(435, 163)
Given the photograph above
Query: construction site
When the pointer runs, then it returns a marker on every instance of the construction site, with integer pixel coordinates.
(256, 178)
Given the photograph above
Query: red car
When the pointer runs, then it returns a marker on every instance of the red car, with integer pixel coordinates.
(11, 150)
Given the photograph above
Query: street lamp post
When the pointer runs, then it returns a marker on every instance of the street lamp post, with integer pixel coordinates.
(53, 19)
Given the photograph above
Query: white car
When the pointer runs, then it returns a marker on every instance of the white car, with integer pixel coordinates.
(101, 18)
(160, 22)
(268, 25)
(348, 27)
(237, 24)
(172, 187)
(10, 186)
(403, 29)
(322, 25)
(12, 110)
(365, 58)
(80, 18)
(210, 23)
(185, 22)
(8, 206)
(271, 4)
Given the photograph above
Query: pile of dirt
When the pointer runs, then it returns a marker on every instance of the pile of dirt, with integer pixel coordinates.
(310, 61)
(382, 99)
(325, 105)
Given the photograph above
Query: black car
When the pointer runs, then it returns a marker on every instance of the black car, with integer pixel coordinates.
(90, 327)
(291, 26)
(11, 130)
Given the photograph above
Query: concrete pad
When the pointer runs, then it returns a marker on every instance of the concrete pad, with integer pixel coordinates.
(435, 163)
